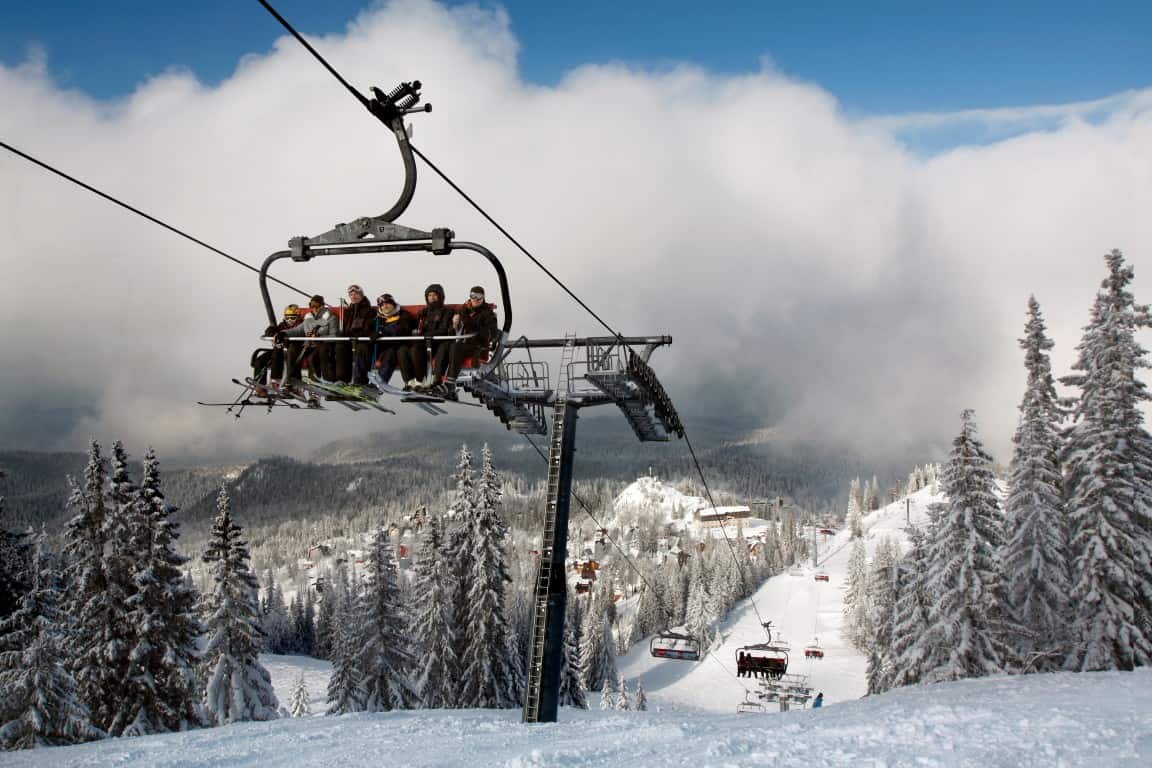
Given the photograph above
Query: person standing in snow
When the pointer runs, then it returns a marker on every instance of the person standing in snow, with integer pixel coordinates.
(818, 701)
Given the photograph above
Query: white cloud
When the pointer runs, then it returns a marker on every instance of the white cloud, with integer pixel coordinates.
(817, 276)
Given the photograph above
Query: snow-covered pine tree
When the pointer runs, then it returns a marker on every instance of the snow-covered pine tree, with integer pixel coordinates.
(238, 687)
(162, 692)
(458, 551)
(882, 599)
(700, 612)
(641, 698)
(39, 702)
(623, 698)
(299, 706)
(571, 690)
(325, 620)
(852, 517)
(89, 605)
(910, 651)
(303, 621)
(385, 659)
(115, 712)
(1108, 484)
(345, 692)
(490, 677)
(274, 621)
(1034, 555)
(964, 576)
(857, 610)
(432, 628)
(594, 652)
(610, 692)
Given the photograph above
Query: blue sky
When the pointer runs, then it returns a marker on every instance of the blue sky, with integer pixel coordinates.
(880, 57)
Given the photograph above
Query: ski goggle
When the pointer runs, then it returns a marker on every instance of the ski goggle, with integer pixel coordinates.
(476, 296)
(355, 289)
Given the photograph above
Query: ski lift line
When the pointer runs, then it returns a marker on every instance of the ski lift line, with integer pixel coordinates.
(138, 212)
(479, 209)
(308, 46)
(723, 530)
(627, 559)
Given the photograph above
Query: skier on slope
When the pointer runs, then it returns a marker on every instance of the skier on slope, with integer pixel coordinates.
(818, 701)
(271, 361)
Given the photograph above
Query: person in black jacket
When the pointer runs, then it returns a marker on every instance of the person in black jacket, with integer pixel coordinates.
(475, 317)
(391, 322)
(434, 320)
(353, 358)
(271, 362)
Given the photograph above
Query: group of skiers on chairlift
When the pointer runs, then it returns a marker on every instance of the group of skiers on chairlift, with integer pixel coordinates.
(750, 665)
(370, 360)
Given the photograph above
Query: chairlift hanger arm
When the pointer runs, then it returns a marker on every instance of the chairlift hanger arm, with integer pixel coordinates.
(439, 242)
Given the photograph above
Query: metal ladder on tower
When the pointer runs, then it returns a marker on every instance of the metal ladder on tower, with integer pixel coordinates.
(550, 559)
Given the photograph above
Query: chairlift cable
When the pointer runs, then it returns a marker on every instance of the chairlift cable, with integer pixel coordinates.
(627, 559)
(138, 212)
(723, 530)
(416, 151)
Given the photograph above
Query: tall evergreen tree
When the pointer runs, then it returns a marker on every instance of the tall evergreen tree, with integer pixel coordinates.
(345, 691)
(39, 702)
(857, 610)
(432, 628)
(1035, 554)
(490, 676)
(965, 576)
(571, 690)
(275, 623)
(911, 651)
(1108, 484)
(162, 692)
(458, 551)
(238, 687)
(90, 606)
(385, 659)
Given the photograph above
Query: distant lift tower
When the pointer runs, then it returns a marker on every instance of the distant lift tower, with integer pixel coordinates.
(593, 371)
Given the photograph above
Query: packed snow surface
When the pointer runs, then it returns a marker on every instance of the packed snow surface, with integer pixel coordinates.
(1096, 719)
(1092, 719)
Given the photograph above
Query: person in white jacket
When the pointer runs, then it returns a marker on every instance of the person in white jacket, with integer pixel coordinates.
(318, 321)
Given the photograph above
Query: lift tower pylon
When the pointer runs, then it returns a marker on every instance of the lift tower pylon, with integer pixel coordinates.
(612, 373)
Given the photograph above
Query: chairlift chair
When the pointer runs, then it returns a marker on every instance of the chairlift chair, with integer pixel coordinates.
(749, 707)
(769, 660)
(675, 646)
(813, 650)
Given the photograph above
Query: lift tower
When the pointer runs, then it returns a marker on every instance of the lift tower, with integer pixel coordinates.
(593, 371)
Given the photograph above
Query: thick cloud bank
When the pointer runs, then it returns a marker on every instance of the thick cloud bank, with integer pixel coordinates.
(819, 277)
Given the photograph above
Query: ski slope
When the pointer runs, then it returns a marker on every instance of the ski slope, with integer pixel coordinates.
(1093, 719)
(801, 610)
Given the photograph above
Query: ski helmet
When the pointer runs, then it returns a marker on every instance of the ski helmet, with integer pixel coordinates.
(291, 312)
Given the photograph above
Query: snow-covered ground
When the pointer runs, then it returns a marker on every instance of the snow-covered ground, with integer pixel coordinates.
(802, 611)
(1096, 719)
